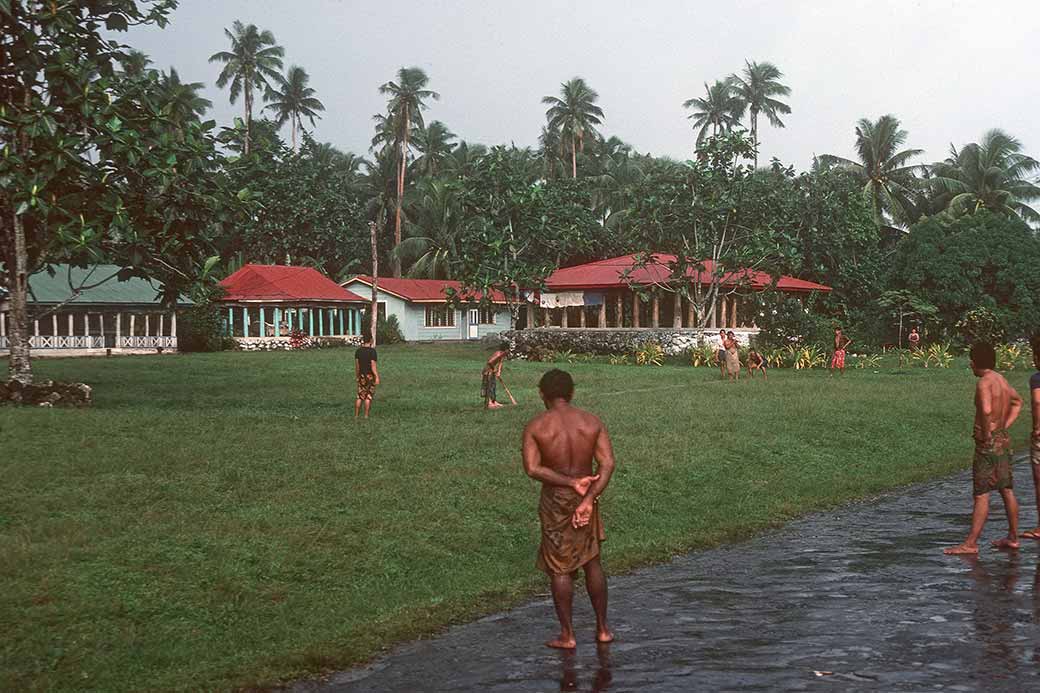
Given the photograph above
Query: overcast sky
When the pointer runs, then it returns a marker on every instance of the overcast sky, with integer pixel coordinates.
(949, 69)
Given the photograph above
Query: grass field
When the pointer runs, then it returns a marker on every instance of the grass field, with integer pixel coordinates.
(221, 520)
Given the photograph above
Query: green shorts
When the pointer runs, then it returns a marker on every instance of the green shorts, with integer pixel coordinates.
(991, 468)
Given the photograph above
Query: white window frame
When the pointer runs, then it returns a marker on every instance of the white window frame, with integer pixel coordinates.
(447, 311)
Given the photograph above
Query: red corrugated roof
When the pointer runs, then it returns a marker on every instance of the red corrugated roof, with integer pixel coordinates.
(608, 274)
(284, 283)
(425, 290)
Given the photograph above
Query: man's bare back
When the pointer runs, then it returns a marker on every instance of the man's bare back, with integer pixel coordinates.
(996, 406)
(566, 439)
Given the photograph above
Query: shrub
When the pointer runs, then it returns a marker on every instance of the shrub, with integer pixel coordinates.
(388, 330)
(618, 360)
(868, 361)
(202, 328)
(982, 325)
(297, 339)
(1011, 356)
(939, 355)
(778, 358)
(703, 355)
(650, 354)
(805, 357)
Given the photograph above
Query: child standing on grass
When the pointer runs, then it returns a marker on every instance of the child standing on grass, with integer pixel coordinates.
(841, 344)
(366, 372)
(490, 375)
(1034, 438)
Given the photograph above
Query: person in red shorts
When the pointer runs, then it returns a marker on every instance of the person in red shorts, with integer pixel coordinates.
(841, 344)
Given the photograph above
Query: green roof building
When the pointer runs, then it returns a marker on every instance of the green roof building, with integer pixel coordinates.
(88, 310)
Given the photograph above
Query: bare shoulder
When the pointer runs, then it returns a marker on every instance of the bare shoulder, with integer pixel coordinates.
(589, 419)
(536, 423)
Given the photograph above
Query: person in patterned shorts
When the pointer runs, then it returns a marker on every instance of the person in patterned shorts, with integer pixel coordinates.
(366, 371)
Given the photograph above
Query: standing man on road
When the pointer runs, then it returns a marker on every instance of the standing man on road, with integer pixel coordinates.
(996, 407)
(366, 371)
(1034, 438)
(558, 450)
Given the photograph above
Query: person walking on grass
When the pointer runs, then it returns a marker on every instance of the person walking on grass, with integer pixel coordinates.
(732, 357)
(559, 447)
(755, 362)
(490, 376)
(720, 355)
(996, 407)
(841, 344)
(366, 372)
(1034, 437)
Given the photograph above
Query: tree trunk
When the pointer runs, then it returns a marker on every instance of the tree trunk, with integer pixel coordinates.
(20, 367)
(294, 134)
(374, 311)
(754, 134)
(249, 112)
(574, 158)
(400, 195)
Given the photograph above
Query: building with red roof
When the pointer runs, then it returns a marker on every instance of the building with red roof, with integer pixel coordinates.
(423, 313)
(271, 301)
(624, 292)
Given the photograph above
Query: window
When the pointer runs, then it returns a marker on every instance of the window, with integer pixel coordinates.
(440, 316)
(487, 316)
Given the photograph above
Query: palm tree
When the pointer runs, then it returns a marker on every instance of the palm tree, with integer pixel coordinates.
(573, 115)
(464, 158)
(550, 146)
(404, 112)
(253, 59)
(990, 174)
(617, 170)
(720, 109)
(435, 143)
(889, 182)
(182, 98)
(292, 100)
(135, 63)
(434, 232)
(756, 87)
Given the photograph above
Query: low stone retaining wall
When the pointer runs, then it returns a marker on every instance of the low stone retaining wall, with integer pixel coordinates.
(46, 393)
(285, 343)
(610, 341)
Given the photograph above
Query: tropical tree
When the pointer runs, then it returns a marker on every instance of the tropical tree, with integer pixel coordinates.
(182, 98)
(434, 231)
(719, 109)
(756, 88)
(292, 100)
(889, 180)
(573, 115)
(135, 63)
(990, 174)
(254, 59)
(551, 149)
(435, 144)
(408, 97)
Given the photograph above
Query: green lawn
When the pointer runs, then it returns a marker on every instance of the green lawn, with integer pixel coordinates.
(221, 520)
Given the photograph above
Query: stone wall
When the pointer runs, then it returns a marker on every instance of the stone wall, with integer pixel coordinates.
(613, 341)
(46, 393)
(285, 344)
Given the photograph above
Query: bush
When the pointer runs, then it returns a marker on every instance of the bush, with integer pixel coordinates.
(650, 354)
(982, 325)
(202, 328)
(704, 355)
(388, 330)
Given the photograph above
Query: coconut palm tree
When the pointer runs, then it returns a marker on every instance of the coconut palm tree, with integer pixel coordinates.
(408, 97)
(552, 150)
(990, 174)
(756, 87)
(889, 181)
(464, 158)
(720, 109)
(254, 58)
(435, 144)
(182, 98)
(292, 100)
(435, 226)
(135, 63)
(574, 114)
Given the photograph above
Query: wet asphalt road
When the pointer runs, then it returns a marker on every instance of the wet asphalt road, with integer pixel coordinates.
(863, 593)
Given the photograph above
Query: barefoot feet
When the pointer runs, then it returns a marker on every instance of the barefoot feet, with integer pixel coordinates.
(962, 550)
(563, 642)
(1007, 544)
(604, 635)
(1031, 534)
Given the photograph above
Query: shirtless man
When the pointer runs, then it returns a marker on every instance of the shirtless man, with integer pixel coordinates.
(996, 408)
(1034, 437)
(558, 449)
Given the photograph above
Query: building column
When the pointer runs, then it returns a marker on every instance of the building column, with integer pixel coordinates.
(86, 324)
(563, 317)
(3, 324)
(656, 306)
(602, 320)
(733, 312)
(677, 311)
(101, 326)
(54, 324)
(581, 316)
(342, 312)
(321, 322)
(147, 325)
(162, 323)
(245, 321)
(173, 324)
(619, 302)
(262, 332)
(635, 309)
(723, 322)
(310, 321)
(133, 318)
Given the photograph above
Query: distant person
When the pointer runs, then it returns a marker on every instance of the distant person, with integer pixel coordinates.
(915, 339)
(366, 370)
(490, 375)
(732, 356)
(559, 447)
(996, 407)
(841, 344)
(755, 362)
(1034, 437)
(720, 355)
